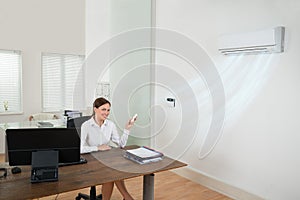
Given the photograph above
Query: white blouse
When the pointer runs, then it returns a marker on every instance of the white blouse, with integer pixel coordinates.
(93, 135)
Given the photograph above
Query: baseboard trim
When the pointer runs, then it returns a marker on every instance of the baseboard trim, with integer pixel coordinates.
(216, 185)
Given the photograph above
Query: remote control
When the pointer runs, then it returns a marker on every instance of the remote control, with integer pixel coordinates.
(133, 118)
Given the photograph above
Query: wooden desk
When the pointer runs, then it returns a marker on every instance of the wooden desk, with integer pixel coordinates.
(113, 166)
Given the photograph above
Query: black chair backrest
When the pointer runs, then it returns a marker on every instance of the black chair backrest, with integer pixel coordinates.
(77, 122)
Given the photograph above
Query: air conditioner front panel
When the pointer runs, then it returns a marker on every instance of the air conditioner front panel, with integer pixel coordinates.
(261, 41)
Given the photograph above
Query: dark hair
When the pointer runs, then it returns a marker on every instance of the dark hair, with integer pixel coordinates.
(99, 102)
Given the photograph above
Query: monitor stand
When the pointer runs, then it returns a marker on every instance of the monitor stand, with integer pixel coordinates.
(44, 166)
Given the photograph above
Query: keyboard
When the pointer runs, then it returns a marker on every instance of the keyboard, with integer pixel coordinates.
(81, 161)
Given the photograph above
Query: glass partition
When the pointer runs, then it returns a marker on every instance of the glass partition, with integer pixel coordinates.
(121, 60)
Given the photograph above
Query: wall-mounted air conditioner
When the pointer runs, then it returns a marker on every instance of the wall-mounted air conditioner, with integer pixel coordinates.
(265, 41)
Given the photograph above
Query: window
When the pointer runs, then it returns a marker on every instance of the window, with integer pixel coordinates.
(10, 81)
(61, 75)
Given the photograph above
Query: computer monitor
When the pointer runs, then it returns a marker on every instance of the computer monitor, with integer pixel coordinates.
(22, 142)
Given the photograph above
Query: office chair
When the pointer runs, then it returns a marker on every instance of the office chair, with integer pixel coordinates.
(76, 123)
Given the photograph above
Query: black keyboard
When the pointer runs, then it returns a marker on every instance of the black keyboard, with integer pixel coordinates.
(81, 161)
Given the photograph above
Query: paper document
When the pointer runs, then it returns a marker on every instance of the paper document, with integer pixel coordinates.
(142, 161)
(45, 124)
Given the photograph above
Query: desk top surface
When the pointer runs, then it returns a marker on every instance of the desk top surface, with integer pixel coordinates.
(57, 123)
(102, 167)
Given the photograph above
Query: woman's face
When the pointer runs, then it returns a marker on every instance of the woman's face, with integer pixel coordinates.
(102, 112)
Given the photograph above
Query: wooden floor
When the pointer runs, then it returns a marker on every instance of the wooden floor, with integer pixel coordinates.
(168, 185)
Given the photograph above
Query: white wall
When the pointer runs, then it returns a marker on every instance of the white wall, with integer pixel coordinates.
(258, 149)
(35, 26)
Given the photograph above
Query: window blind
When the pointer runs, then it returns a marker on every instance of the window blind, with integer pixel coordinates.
(10, 81)
(61, 73)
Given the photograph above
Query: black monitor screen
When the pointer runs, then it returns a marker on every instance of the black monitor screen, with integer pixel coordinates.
(22, 142)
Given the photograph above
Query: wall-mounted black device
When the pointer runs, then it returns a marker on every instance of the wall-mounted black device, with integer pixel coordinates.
(171, 100)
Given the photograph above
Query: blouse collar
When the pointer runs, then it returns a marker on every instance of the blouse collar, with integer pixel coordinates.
(94, 123)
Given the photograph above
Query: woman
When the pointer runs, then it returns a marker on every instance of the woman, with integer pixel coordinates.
(97, 132)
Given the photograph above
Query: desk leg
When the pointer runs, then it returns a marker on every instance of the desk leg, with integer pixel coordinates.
(148, 187)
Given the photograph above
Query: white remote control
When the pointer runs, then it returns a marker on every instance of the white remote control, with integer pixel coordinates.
(133, 118)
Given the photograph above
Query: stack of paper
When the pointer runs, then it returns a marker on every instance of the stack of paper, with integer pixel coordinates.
(143, 155)
(44, 124)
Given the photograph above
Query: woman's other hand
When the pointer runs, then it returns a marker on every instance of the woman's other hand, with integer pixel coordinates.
(104, 147)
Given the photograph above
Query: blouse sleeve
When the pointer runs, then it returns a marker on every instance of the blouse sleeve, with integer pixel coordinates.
(121, 141)
(84, 147)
